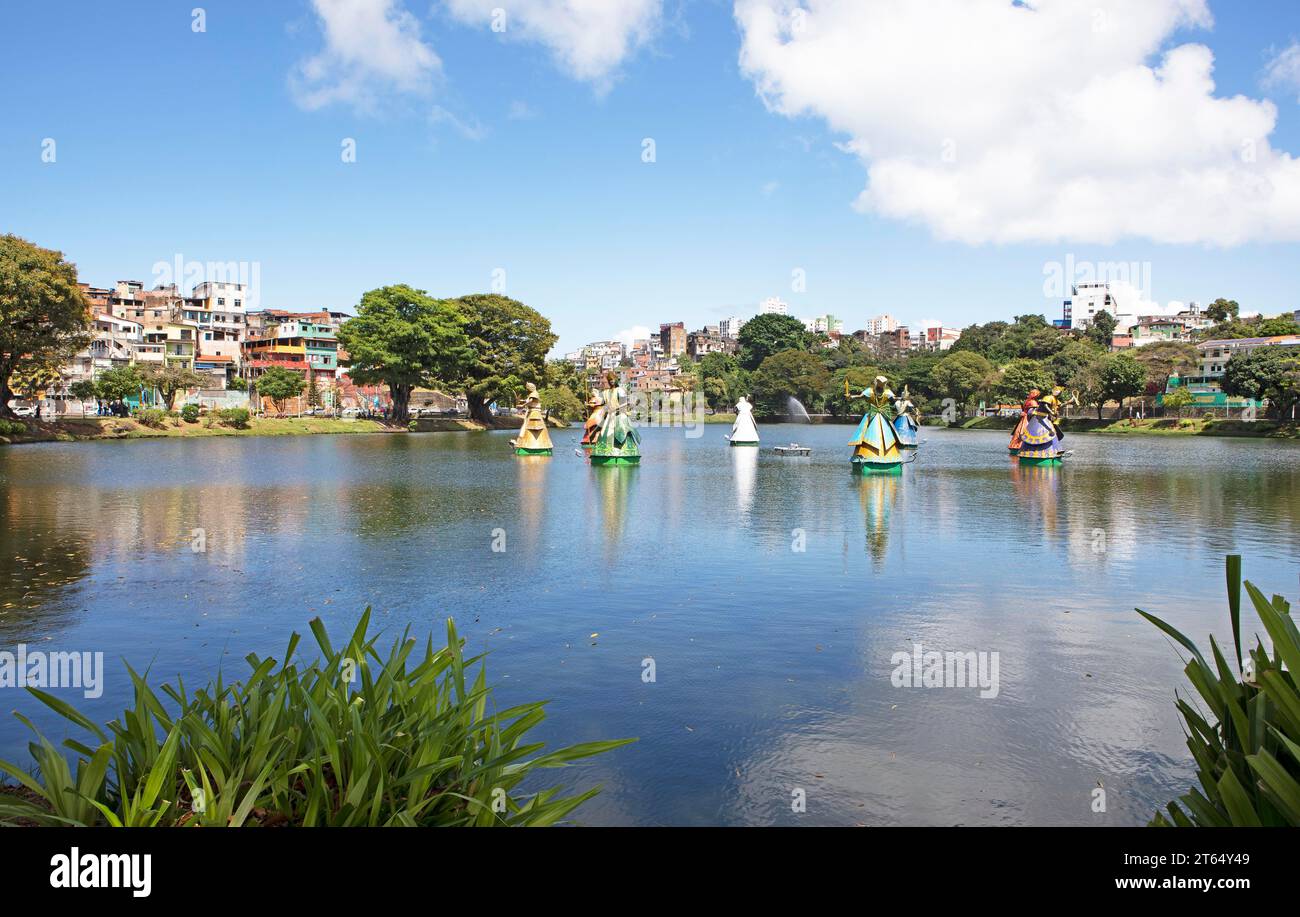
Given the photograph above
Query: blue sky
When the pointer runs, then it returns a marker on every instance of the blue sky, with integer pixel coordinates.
(517, 152)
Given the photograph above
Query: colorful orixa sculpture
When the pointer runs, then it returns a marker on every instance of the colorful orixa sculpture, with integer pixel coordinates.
(1040, 444)
(595, 414)
(617, 442)
(876, 447)
(533, 439)
(744, 432)
(907, 420)
(1017, 435)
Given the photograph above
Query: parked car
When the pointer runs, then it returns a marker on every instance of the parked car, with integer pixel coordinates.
(25, 410)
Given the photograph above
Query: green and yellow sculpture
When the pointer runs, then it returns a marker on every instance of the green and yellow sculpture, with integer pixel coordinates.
(617, 442)
(534, 438)
(876, 448)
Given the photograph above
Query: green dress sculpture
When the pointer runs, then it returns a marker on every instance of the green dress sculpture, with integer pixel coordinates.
(617, 443)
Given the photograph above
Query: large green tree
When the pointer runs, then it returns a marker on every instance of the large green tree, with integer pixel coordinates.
(766, 335)
(117, 383)
(1019, 376)
(279, 383)
(1266, 372)
(508, 342)
(789, 374)
(1122, 376)
(403, 338)
(1222, 310)
(960, 375)
(43, 314)
(170, 381)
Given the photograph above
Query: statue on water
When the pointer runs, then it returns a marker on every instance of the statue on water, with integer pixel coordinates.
(617, 442)
(534, 438)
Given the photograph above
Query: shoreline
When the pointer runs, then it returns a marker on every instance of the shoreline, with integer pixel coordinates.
(96, 429)
(1153, 426)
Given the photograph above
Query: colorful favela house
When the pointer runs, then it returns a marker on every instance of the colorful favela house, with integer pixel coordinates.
(876, 447)
(1040, 444)
(617, 442)
(595, 414)
(1018, 434)
(907, 420)
(533, 439)
(744, 432)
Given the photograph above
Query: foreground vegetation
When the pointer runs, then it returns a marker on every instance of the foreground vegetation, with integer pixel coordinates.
(355, 738)
(1246, 743)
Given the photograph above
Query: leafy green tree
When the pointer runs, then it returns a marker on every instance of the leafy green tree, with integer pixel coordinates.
(280, 384)
(508, 343)
(1222, 310)
(33, 378)
(563, 374)
(985, 340)
(170, 381)
(119, 382)
(43, 314)
(83, 390)
(1019, 376)
(722, 381)
(313, 392)
(960, 375)
(1164, 358)
(1122, 376)
(789, 374)
(767, 335)
(403, 338)
(1077, 353)
(1266, 372)
(561, 402)
(1177, 400)
(1086, 384)
(1101, 329)
(238, 384)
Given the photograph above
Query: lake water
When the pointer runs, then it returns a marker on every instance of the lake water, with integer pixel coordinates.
(772, 594)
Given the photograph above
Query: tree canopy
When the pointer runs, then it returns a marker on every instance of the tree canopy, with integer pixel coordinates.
(43, 314)
(279, 383)
(404, 338)
(766, 335)
(1266, 372)
(507, 343)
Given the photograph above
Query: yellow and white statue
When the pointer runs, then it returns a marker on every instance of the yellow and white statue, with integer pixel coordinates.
(534, 438)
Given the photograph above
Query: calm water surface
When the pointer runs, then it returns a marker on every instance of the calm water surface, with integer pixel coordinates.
(773, 664)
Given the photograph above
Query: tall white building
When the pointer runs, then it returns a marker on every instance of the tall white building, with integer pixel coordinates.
(1087, 299)
(882, 324)
(730, 327)
(773, 306)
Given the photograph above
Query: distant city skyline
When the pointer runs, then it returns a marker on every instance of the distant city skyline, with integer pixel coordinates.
(616, 167)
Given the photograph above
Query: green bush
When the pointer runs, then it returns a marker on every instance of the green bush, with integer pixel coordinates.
(1247, 750)
(152, 417)
(409, 739)
(190, 413)
(234, 417)
(12, 427)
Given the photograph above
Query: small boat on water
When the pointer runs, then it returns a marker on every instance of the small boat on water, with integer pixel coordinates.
(793, 449)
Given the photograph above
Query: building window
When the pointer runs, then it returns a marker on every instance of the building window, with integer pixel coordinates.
(221, 301)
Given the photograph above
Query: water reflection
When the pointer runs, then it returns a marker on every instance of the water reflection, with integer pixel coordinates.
(779, 659)
(878, 493)
(744, 462)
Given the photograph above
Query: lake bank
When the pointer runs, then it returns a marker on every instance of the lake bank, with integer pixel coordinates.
(100, 428)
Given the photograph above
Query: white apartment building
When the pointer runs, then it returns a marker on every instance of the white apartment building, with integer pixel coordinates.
(773, 306)
(730, 327)
(824, 324)
(1087, 299)
(1216, 354)
(219, 311)
(881, 324)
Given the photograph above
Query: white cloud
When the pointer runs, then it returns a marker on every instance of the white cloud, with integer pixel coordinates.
(628, 336)
(371, 47)
(1283, 71)
(1065, 120)
(469, 129)
(590, 39)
